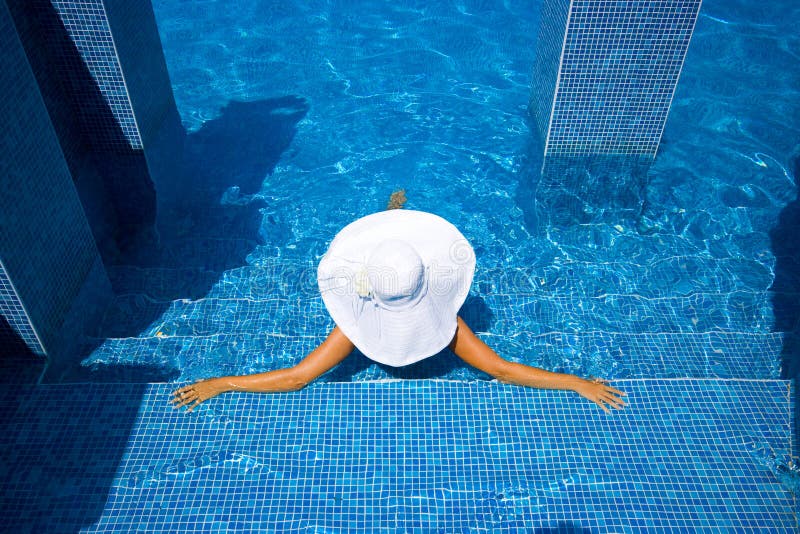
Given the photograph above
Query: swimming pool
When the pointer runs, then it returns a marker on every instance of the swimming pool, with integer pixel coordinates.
(301, 117)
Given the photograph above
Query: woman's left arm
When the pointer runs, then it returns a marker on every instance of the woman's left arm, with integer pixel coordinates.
(475, 352)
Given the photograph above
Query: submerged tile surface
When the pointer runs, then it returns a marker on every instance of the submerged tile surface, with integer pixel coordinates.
(400, 456)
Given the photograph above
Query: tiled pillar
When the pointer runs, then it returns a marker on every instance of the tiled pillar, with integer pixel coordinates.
(119, 43)
(17, 334)
(86, 23)
(603, 80)
(606, 72)
(144, 68)
(101, 70)
(101, 135)
(47, 253)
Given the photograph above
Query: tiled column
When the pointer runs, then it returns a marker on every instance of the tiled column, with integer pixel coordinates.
(118, 42)
(604, 76)
(101, 70)
(88, 81)
(86, 23)
(47, 254)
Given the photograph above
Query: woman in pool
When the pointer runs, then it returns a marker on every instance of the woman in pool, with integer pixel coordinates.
(393, 283)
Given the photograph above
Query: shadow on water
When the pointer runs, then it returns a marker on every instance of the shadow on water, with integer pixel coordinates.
(225, 164)
(785, 290)
(210, 216)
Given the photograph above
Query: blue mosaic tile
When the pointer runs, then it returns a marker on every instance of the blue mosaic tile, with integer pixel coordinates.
(549, 43)
(86, 23)
(621, 355)
(618, 67)
(400, 456)
(46, 246)
(137, 45)
(14, 315)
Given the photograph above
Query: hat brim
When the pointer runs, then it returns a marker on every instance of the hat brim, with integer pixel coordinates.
(398, 337)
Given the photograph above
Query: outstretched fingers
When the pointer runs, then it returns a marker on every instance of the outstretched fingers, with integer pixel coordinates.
(190, 396)
(602, 394)
(609, 396)
(183, 396)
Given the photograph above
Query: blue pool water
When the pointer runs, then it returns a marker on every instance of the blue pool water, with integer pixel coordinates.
(302, 116)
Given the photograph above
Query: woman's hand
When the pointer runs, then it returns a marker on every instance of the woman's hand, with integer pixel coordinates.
(194, 394)
(598, 391)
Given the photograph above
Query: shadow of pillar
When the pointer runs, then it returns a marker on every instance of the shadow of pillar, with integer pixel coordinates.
(594, 189)
(785, 291)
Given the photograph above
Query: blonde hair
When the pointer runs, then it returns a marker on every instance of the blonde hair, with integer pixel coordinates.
(396, 200)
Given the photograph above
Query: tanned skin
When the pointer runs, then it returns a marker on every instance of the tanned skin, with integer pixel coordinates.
(337, 347)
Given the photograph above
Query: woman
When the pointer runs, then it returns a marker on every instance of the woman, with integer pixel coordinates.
(393, 283)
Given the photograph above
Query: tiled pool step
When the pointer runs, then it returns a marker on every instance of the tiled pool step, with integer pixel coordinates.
(612, 355)
(136, 315)
(622, 320)
(685, 455)
(672, 276)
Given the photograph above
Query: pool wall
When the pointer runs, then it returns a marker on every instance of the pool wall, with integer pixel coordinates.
(90, 85)
(46, 246)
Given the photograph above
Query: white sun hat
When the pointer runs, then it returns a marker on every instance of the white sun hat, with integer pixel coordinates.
(394, 281)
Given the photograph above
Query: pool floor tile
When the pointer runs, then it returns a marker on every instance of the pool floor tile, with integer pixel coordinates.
(400, 456)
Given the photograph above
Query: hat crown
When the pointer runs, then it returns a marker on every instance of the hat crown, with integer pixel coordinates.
(396, 273)
(419, 283)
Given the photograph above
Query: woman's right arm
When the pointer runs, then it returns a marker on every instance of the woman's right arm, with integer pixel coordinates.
(327, 355)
